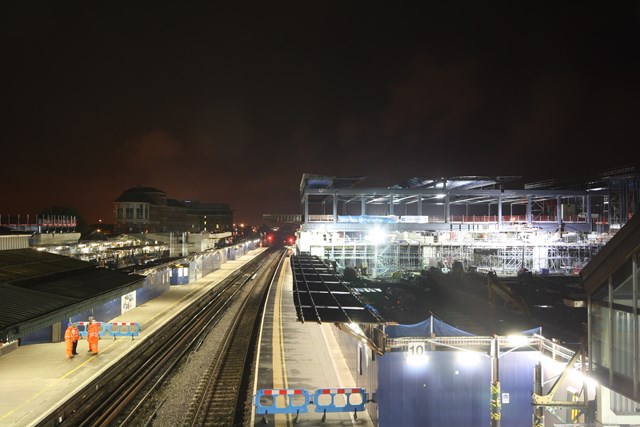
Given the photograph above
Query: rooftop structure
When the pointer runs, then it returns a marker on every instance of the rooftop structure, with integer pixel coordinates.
(483, 222)
(147, 209)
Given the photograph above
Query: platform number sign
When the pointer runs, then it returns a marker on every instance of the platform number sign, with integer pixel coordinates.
(417, 349)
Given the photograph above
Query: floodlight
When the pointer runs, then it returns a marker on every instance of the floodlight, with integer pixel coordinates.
(417, 360)
(578, 376)
(376, 235)
(517, 340)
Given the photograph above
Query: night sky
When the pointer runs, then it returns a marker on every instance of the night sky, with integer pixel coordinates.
(231, 102)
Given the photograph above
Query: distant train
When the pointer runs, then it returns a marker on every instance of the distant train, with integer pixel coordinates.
(279, 237)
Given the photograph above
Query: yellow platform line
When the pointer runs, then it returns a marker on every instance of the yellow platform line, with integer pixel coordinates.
(277, 345)
(53, 384)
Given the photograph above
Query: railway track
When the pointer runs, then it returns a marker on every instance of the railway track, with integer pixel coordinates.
(127, 393)
(225, 385)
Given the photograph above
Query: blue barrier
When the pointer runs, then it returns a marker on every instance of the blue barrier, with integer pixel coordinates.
(347, 393)
(114, 329)
(291, 404)
(324, 400)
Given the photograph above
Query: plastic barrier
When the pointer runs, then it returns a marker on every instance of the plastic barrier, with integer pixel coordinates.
(292, 406)
(82, 328)
(347, 393)
(265, 406)
(114, 329)
(123, 329)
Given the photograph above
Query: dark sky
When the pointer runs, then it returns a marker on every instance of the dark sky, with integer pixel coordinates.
(233, 101)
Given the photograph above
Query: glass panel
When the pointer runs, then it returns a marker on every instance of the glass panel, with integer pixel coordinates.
(637, 280)
(621, 405)
(623, 343)
(600, 336)
(623, 285)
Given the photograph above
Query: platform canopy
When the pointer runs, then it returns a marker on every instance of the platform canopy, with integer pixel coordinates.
(38, 289)
(320, 295)
(434, 327)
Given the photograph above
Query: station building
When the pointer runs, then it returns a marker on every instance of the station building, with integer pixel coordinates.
(147, 209)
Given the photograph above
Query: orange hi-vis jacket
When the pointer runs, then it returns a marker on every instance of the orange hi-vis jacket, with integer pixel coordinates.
(68, 338)
(93, 335)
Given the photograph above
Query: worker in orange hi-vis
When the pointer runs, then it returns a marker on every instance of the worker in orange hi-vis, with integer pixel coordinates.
(76, 337)
(93, 335)
(68, 339)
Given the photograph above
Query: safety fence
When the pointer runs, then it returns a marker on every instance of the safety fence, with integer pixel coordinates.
(297, 401)
(112, 329)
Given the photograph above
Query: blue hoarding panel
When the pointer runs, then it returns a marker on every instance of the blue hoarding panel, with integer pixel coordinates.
(154, 285)
(211, 262)
(516, 386)
(442, 392)
(38, 337)
(180, 275)
(452, 391)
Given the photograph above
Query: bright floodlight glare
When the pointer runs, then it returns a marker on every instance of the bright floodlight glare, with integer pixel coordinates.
(579, 377)
(517, 340)
(468, 358)
(590, 382)
(546, 360)
(574, 374)
(417, 360)
(376, 235)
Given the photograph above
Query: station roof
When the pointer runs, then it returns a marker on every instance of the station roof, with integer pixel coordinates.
(311, 181)
(457, 182)
(462, 190)
(320, 296)
(328, 182)
(612, 256)
(38, 289)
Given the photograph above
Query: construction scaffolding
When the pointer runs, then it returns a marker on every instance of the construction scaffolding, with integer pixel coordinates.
(375, 260)
(355, 255)
(513, 253)
(488, 223)
(504, 253)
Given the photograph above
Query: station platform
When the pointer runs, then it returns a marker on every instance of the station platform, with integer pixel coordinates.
(34, 378)
(295, 355)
